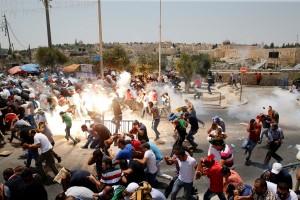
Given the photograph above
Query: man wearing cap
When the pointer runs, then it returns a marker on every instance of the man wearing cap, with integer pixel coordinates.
(132, 187)
(278, 174)
(218, 120)
(275, 137)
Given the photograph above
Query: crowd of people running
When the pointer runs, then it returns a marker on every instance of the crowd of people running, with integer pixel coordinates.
(132, 172)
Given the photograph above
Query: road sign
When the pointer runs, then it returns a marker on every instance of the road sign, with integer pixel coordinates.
(244, 70)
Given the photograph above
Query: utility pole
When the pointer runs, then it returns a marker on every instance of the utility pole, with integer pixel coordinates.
(297, 40)
(29, 54)
(10, 49)
(100, 40)
(46, 4)
(159, 45)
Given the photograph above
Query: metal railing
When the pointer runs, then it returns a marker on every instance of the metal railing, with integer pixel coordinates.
(125, 125)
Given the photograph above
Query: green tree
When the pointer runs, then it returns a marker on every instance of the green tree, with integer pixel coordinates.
(202, 63)
(116, 58)
(188, 65)
(186, 69)
(50, 57)
(149, 62)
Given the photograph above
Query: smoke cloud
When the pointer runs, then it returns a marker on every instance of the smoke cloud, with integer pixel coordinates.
(284, 102)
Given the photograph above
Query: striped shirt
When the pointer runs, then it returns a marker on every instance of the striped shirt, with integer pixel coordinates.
(111, 176)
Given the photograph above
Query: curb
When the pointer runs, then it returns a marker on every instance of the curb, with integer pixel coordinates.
(222, 85)
(225, 107)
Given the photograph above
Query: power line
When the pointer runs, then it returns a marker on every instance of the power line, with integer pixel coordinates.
(16, 38)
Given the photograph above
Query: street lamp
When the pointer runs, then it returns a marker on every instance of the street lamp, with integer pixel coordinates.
(100, 40)
(159, 45)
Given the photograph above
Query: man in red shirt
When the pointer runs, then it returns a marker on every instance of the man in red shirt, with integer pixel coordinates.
(254, 129)
(213, 170)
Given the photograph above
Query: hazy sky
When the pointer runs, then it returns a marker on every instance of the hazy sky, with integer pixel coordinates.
(126, 21)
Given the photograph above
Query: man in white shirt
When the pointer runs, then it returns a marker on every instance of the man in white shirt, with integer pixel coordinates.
(150, 161)
(187, 166)
(41, 142)
(282, 191)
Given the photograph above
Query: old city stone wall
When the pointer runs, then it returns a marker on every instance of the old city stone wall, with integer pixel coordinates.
(268, 78)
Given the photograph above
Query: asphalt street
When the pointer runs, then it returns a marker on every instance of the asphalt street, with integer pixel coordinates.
(76, 158)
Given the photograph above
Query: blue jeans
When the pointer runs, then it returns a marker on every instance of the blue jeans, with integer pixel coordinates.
(32, 154)
(151, 178)
(249, 148)
(155, 123)
(188, 187)
(209, 194)
(30, 119)
(89, 141)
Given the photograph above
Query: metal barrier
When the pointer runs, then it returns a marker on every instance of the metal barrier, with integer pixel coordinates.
(125, 125)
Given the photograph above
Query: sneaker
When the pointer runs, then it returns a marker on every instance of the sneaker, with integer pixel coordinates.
(75, 142)
(248, 162)
(84, 147)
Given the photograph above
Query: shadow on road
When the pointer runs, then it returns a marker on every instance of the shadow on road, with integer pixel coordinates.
(259, 165)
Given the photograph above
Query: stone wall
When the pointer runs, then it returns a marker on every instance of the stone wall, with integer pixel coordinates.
(268, 78)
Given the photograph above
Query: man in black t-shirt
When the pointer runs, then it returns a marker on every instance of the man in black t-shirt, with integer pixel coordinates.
(97, 159)
(134, 171)
(139, 129)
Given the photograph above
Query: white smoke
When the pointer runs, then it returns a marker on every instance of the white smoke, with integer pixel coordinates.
(123, 83)
(284, 102)
(176, 97)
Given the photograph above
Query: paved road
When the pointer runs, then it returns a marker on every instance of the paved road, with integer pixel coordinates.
(76, 158)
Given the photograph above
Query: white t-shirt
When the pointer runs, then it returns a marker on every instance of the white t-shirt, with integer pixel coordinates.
(187, 169)
(273, 188)
(215, 152)
(157, 195)
(21, 122)
(40, 138)
(151, 161)
(79, 192)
